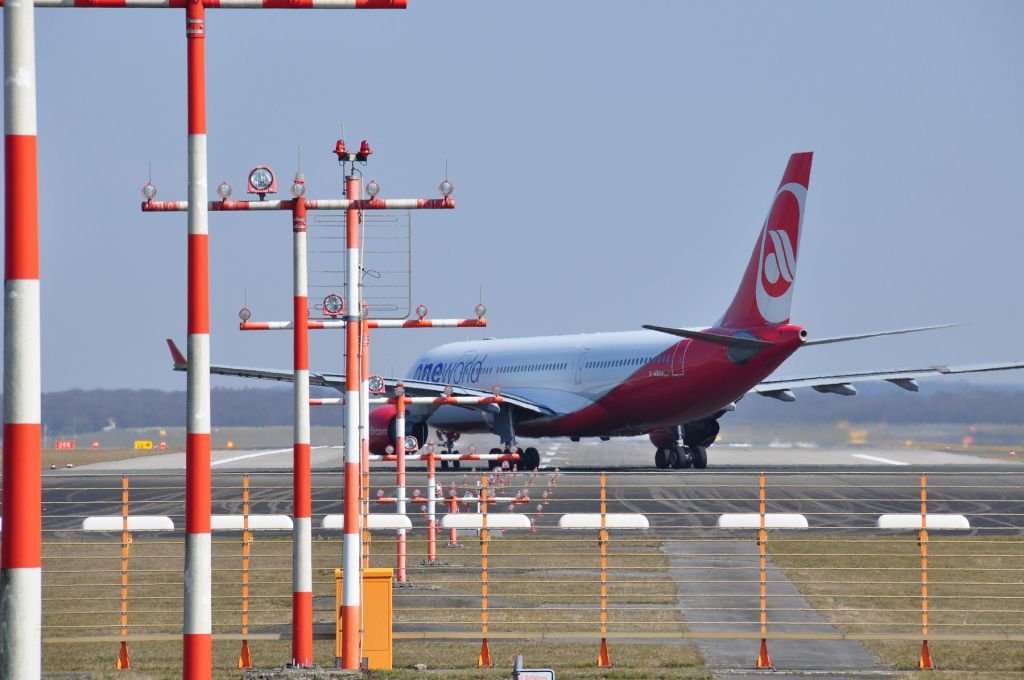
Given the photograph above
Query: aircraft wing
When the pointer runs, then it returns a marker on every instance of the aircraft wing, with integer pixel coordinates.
(414, 388)
(843, 383)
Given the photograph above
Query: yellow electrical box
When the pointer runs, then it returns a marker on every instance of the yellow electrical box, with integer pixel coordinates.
(377, 616)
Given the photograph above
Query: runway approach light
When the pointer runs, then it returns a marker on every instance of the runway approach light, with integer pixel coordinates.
(448, 390)
(399, 390)
(334, 305)
(372, 188)
(421, 311)
(496, 390)
(446, 187)
(298, 186)
(149, 191)
(244, 314)
(375, 384)
(389, 449)
(480, 310)
(262, 181)
(224, 191)
(411, 443)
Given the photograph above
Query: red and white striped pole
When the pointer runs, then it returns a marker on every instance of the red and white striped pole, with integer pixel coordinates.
(351, 614)
(302, 537)
(197, 642)
(400, 480)
(364, 432)
(21, 553)
(431, 510)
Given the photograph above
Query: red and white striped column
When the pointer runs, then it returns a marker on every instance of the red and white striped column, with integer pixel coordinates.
(400, 481)
(21, 553)
(197, 644)
(351, 614)
(302, 538)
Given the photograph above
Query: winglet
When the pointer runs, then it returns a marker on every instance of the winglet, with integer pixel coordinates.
(180, 362)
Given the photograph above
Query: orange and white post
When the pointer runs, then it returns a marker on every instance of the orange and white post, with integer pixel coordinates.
(21, 553)
(484, 661)
(763, 660)
(924, 662)
(603, 658)
(123, 661)
(245, 656)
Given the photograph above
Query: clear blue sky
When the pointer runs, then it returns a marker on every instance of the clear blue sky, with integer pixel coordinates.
(614, 161)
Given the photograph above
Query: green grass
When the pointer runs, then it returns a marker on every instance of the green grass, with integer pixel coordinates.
(537, 584)
(871, 585)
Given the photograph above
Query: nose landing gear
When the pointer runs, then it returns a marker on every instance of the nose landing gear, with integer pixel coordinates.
(449, 439)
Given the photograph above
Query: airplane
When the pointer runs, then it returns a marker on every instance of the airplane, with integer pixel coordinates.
(672, 384)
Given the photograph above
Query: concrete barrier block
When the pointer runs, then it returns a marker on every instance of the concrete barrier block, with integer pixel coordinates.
(752, 520)
(613, 520)
(135, 523)
(913, 521)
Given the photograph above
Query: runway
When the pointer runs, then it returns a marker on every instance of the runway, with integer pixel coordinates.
(629, 454)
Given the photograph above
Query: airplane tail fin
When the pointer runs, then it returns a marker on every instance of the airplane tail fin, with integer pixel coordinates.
(765, 293)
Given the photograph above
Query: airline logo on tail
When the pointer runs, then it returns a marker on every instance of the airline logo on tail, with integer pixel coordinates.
(780, 242)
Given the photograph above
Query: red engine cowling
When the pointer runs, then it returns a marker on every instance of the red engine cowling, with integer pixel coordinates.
(382, 428)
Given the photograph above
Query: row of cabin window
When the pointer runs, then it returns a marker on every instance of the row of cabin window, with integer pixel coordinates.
(618, 362)
(528, 367)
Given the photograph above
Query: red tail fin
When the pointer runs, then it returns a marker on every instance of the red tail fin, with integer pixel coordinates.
(767, 288)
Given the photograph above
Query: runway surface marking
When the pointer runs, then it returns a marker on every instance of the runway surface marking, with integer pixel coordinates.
(877, 459)
(258, 454)
(550, 454)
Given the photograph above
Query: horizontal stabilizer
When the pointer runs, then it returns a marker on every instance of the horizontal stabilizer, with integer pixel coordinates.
(862, 336)
(716, 338)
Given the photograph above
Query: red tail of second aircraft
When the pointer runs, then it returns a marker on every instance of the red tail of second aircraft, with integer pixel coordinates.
(766, 291)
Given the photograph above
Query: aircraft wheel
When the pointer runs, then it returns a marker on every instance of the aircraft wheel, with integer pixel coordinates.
(456, 463)
(661, 459)
(491, 464)
(680, 459)
(700, 456)
(531, 459)
(444, 465)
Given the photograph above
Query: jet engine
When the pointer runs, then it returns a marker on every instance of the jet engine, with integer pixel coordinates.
(382, 428)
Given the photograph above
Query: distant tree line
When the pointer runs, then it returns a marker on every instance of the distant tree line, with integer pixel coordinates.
(90, 410)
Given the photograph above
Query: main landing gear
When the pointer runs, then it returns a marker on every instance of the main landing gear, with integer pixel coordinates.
(529, 458)
(681, 457)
